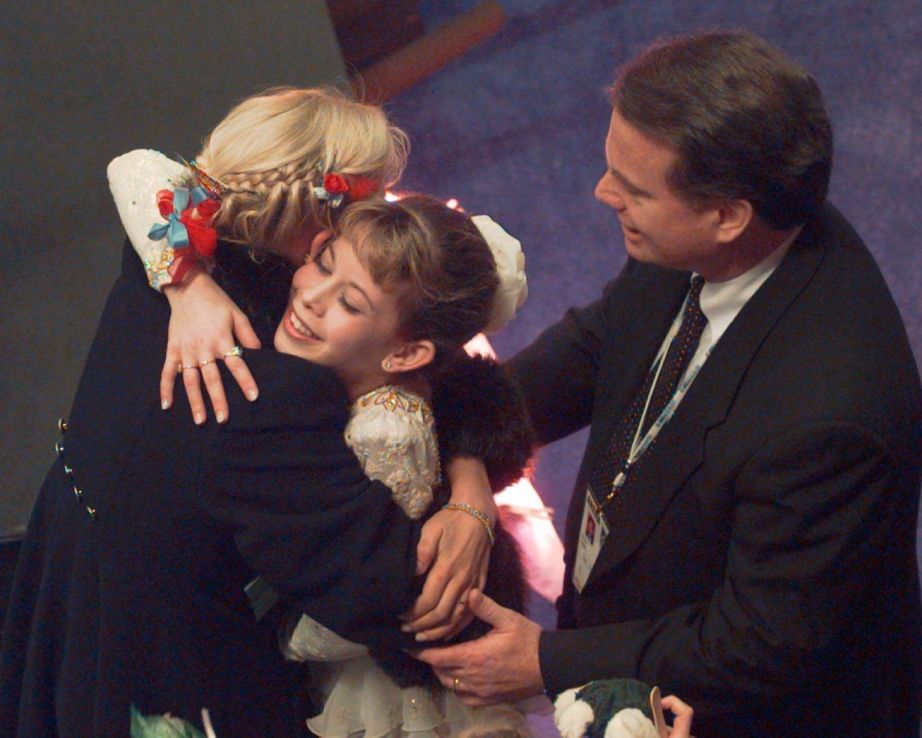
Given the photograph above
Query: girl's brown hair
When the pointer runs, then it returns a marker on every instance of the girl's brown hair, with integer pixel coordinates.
(438, 261)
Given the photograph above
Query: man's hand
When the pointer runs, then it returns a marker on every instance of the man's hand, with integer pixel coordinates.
(500, 666)
(205, 325)
(455, 549)
(682, 717)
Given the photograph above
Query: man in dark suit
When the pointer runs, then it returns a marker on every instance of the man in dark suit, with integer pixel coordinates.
(751, 478)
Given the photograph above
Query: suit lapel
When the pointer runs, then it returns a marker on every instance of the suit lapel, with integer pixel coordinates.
(679, 450)
(631, 348)
(635, 347)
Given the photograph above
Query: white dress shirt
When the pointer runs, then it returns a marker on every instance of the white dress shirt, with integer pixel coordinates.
(721, 302)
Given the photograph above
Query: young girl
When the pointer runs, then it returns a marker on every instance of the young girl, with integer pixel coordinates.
(388, 301)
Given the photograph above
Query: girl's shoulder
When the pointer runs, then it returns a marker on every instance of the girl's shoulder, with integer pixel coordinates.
(393, 416)
(392, 400)
(134, 180)
(392, 432)
(145, 161)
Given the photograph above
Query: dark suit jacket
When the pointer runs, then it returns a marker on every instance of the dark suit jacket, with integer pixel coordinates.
(761, 561)
(145, 603)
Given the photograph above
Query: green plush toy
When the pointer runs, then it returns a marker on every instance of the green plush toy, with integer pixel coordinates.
(610, 708)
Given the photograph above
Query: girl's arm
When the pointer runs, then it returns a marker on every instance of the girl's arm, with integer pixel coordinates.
(454, 553)
(205, 324)
(485, 443)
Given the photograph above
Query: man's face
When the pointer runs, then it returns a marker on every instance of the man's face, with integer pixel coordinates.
(660, 227)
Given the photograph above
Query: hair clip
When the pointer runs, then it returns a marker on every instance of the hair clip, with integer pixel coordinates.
(335, 187)
(214, 187)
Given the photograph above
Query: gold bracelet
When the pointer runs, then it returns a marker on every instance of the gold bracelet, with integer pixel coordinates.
(471, 510)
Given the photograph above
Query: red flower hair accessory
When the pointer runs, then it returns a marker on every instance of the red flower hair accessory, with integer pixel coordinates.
(335, 184)
(363, 187)
(335, 187)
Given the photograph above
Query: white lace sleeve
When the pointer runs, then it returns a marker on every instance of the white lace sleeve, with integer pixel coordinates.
(134, 179)
(393, 434)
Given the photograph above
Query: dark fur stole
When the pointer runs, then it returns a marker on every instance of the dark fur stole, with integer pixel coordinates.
(479, 412)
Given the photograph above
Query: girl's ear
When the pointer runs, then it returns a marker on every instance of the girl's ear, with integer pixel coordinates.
(409, 357)
(320, 239)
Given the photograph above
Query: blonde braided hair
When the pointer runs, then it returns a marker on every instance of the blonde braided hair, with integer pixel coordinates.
(271, 149)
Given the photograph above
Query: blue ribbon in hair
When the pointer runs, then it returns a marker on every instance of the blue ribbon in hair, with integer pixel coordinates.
(175, 231)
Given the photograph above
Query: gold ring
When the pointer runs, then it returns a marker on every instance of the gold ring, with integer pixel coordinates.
(456, 685)
(235, 351)
(206, 362)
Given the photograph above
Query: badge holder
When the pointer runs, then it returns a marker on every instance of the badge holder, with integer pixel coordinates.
(593, 530)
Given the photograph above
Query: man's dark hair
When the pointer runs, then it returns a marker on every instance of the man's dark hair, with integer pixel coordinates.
(745, 122)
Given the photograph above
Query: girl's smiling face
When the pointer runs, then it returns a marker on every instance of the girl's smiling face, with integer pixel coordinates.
(338, 317)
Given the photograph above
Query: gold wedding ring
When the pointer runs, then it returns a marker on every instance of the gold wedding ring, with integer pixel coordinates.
(456, 685)
(235, 351)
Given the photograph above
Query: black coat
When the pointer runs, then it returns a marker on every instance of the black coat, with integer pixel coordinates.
(761, 561)
(142, 602)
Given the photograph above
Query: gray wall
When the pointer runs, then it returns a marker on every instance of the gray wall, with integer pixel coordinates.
(85, 81)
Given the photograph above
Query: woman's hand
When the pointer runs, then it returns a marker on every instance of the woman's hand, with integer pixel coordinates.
(205, 326)
(455, 551)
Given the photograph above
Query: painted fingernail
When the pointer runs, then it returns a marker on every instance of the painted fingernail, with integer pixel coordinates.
(165, 404)
(405, 628)
(220, 417)
(422, 637)
(252, 395)
(199, 419)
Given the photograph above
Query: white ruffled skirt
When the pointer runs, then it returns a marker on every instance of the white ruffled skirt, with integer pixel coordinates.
(363, 701)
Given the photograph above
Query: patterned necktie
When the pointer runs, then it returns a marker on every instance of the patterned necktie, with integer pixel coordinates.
(679, 354)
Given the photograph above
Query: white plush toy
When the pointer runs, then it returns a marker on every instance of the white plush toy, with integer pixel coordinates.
(610, 708)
